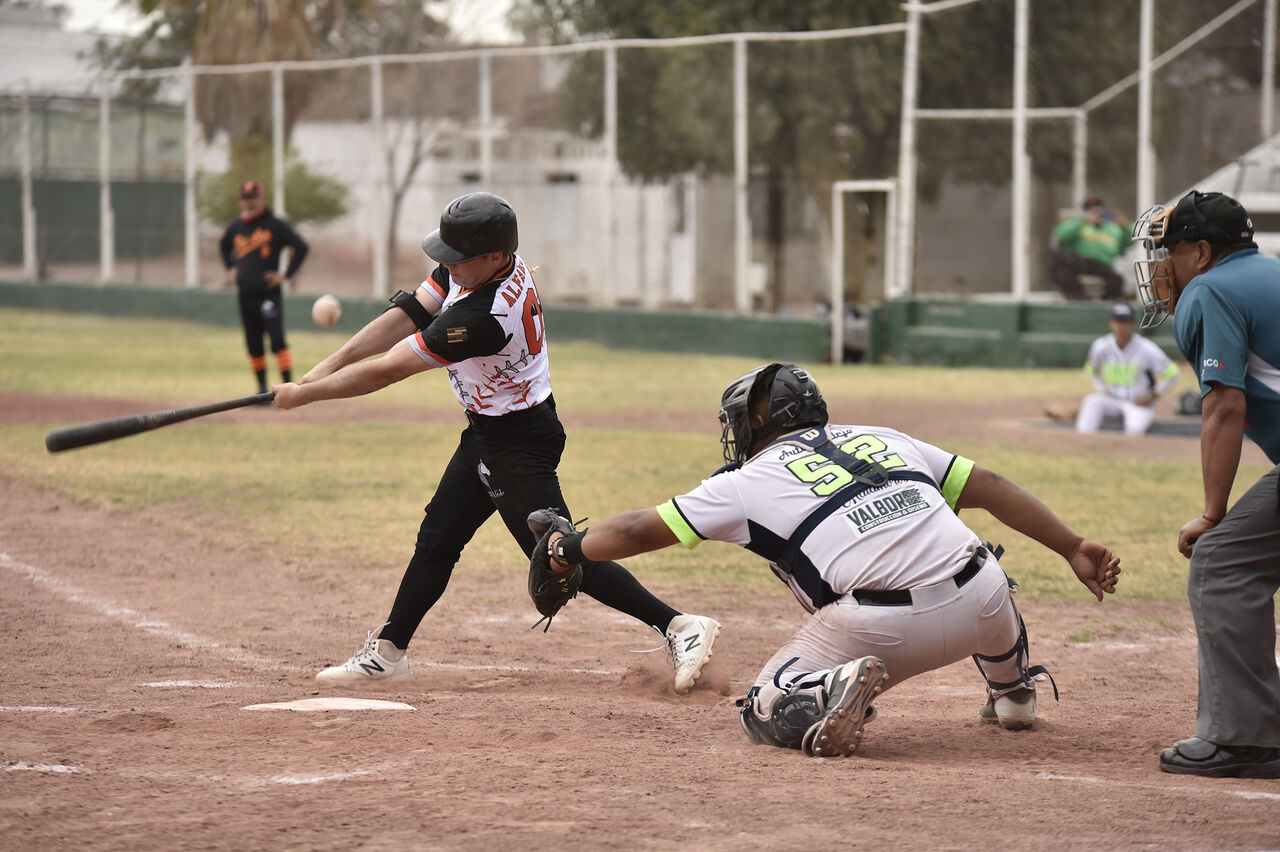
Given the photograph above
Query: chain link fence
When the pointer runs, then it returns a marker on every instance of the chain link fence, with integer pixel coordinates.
(698, 173)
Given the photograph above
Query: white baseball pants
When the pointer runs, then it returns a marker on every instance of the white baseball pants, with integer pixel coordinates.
(1096, 407)
(942, 625)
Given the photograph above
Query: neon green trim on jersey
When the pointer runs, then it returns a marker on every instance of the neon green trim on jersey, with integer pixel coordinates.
(957, 478)
(1169, 372)
(672, 518)
(1088, 369)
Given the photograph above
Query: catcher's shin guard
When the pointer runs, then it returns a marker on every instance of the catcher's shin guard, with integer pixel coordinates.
(1020, 652)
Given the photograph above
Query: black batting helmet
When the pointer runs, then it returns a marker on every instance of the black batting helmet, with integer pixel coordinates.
(473, 224)
(794, 402)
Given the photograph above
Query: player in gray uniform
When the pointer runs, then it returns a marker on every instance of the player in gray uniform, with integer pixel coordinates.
(1203, 268)
(477, 316)
(860, 522)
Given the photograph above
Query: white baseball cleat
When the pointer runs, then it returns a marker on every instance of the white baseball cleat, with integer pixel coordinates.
(852, 687)
(379, 661)
(690, 639)
(1013, 711)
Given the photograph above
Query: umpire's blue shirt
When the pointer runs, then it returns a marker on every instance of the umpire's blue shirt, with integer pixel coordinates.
(1227, 324)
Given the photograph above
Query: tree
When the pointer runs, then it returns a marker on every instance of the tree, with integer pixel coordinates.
(231, 32)
(823, 111)
(312, 197)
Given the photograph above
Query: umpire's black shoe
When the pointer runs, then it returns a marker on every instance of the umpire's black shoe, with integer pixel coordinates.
(1196, 756)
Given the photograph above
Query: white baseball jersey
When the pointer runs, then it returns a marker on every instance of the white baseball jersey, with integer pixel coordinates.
(490, 339)
(1130, 373)
(823, 532)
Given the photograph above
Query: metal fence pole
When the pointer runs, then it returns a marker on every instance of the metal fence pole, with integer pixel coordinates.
(191, 234)
(1146, 147)
(277, 140)
(106, 217)
(1021, 231)
(906, 236)
(742, 215)
(1267, 114)
(609, 286)
(486, 121)
(1080, 158)
(30, 267)
(378, 199)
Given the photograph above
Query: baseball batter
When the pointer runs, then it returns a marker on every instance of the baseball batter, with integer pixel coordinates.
(861, 523)
(1129, 373)
(478, 318)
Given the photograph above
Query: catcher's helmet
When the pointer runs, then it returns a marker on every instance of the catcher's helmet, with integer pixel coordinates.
(473, 224)
(794, 402)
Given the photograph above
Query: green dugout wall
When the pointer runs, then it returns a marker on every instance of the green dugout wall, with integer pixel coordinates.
(906, 331)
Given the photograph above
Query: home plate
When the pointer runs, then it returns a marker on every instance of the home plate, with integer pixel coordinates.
(313, 704)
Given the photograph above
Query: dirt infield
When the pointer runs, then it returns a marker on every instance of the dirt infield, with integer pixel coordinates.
(132, 642)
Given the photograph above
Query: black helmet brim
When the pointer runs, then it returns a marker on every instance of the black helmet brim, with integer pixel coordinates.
(441, 252)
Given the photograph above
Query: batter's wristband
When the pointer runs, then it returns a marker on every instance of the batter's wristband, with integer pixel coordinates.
(569, 548)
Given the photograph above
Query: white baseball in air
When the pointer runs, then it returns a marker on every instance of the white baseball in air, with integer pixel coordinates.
(326, 311)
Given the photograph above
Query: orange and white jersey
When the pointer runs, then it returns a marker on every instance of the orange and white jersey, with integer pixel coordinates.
(491, 340)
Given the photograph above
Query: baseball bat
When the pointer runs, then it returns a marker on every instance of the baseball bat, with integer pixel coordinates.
(100, 431)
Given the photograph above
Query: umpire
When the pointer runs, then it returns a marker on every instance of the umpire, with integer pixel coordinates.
(251, 250)
(1203, 268)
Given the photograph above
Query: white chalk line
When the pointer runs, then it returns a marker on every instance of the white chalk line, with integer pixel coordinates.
(40, 708)
(133, 618)
(1181, 788)
(54, 768)
(164, 629)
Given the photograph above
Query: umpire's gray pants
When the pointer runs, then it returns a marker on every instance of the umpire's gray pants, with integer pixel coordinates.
(1235, 572)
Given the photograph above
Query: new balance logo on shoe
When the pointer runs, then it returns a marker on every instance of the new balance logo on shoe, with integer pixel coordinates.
(372, 666)
(692, 642)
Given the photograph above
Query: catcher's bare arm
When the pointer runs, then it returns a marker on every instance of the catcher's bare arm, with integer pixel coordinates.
(624, 535)
(1094, 564)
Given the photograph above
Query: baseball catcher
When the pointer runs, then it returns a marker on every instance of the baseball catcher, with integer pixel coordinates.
(550, 586)
(861, 523)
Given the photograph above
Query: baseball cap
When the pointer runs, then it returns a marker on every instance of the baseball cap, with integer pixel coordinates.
(1121, 311)
(1210, 216)
(250, 189)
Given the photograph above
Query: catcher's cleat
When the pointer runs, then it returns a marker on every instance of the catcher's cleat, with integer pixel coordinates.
(379, 661)
(1198, 756)
(1013, 711)
(853, 686)
(690, 639)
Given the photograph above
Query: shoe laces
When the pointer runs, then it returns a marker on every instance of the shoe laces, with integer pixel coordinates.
(370, 643)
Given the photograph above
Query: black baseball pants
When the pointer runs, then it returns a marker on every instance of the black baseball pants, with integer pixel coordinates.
(505, 464)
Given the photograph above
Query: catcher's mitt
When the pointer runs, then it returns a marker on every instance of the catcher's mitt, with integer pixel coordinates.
(549, 588)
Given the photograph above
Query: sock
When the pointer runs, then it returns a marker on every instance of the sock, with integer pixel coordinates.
(615, 586)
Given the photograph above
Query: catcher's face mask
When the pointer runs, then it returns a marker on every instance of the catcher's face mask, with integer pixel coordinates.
(1153, 271)
(735, 419)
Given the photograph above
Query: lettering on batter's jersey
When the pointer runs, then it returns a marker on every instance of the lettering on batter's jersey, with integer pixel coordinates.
(492, 342)
(827, 477)
(892, 507)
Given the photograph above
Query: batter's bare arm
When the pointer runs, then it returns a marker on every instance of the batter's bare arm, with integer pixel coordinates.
(1094, 564)
(381, 333)
(621, 536)
(354, 379)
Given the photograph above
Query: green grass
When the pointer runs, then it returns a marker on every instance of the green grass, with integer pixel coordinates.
(341, 499)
